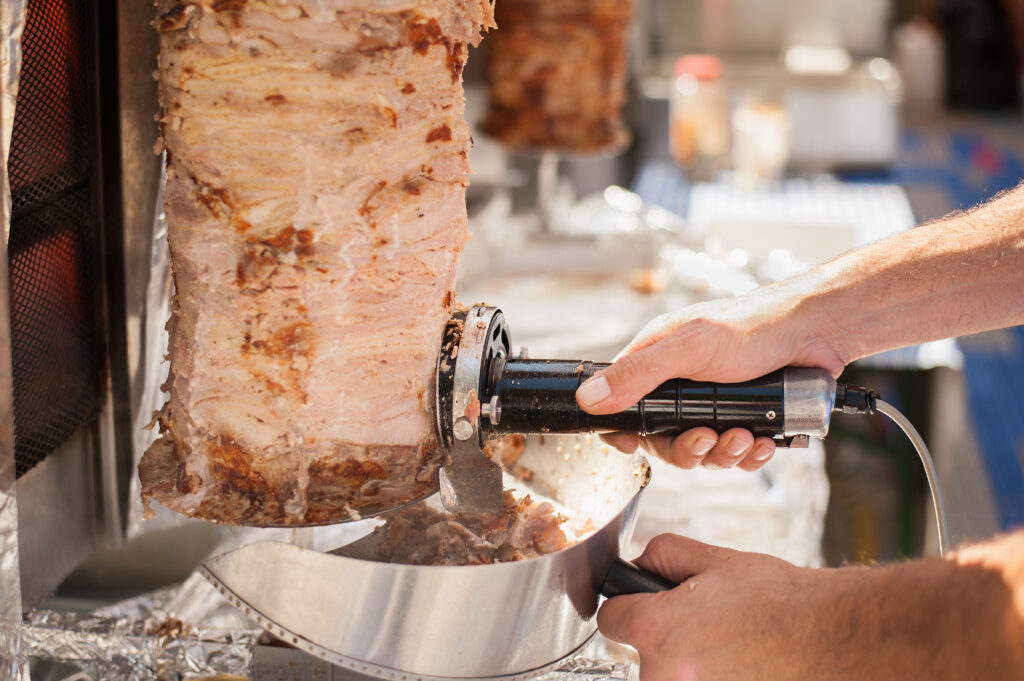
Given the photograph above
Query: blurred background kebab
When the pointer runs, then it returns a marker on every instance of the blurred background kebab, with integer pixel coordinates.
(556, 75)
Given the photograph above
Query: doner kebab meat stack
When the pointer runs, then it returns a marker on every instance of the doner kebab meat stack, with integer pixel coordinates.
(315, 200)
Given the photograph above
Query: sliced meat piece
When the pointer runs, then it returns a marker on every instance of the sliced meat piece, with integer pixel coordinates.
(422, 535)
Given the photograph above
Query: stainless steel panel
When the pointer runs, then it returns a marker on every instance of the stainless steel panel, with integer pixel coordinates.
(765, 26)
(129, 173)
(138, 192)
(56, 516)
(140, 166)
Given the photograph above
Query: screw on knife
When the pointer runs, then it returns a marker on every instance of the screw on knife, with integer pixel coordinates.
(463, 429)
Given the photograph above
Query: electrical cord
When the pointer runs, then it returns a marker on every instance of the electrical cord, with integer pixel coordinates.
(855, 399)
(929, 469)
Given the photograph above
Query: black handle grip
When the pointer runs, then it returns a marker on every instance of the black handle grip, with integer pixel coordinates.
(625, 578)
(539, 396)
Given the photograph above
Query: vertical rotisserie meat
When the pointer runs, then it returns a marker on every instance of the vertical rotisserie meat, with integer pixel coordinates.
(315, 199)
(556, 73)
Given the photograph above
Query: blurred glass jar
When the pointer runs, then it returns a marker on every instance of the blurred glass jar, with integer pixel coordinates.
(760, 139)
(699, 115)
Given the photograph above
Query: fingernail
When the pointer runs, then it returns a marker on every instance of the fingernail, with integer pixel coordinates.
(761, 452)
(702, 446)
(593, 391)
(736, 447)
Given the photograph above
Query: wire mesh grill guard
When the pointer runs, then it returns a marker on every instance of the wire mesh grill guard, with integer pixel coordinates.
(52, 248)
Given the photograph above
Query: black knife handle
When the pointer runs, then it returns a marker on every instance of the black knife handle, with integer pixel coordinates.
(625, 578)
(539, 396)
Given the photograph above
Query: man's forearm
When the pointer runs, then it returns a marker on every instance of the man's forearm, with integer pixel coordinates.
(939, 619)
(959, 275)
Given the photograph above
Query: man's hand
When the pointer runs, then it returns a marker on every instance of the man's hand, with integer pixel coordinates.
(725, 341)
(736, 617)
(748, 617)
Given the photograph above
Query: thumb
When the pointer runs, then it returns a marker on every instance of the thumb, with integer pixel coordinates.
(632, 376)
(680, 558)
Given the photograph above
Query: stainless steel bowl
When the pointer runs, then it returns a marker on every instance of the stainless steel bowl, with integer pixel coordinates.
(421, 623)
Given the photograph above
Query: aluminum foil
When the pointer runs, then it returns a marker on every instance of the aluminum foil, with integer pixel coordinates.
(587, 669)
(164, 648)
(154, 371)
(138, 649)
(13, 663)
(173, 633)
(12, 24)
(148, 644)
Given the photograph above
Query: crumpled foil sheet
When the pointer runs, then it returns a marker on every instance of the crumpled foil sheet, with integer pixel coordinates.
(12, 24)
(165, 648)
(13, 662)
(154, 371)
(133, 649)
(158, 646)
(587, 669)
